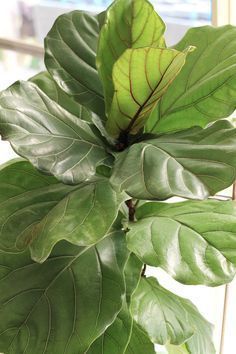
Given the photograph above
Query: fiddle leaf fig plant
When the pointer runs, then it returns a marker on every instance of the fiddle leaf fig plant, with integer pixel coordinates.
(117, 126)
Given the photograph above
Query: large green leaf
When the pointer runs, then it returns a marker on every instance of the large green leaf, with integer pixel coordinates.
(37, 211)
(64, 304)
(46, 83)
(70, 57)
(193, 241)
(116, 338)
(190, 164)
(52, 139)
(139, 342)
(205, 90)
(141, 77)
(169, 319)
(128, 24)
(161, 314)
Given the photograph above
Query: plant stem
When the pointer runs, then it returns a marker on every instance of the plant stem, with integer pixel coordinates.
(144, 271)
(131, 206)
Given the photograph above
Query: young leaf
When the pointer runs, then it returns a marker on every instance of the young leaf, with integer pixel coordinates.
(38, 212)
(116, 338)
(139, 342)
(190, 164)
(141, 76)
(51, 138)
(65, 304)
(46, 83)
(128, 24)
(205, 90)
(161, 314)
(70, 58)
(195, 242)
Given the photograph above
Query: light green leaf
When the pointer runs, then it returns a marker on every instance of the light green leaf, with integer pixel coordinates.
(195, 242)
(128, 24)
(190, 164)
(177, 349)
(202, 340)
(51, 138)
(46, 83)
(141, 76)
(205, 90)
(139, 342)
(116, 338)
(36, 211)
(161, 314)
(70, 58)
(65, 304)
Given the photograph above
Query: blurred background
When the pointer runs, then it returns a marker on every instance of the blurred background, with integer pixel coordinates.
(23, 26)
(30, 20)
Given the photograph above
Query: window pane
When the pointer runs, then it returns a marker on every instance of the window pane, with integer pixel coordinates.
(16, 66)
(180, 15)
(30, 20)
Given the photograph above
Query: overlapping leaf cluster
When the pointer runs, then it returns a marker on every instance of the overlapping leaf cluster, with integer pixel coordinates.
(118, 120)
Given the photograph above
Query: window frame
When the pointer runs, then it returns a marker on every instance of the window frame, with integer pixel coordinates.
(223, 12)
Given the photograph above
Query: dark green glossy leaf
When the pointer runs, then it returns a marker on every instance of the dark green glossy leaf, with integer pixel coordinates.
(195, 242)
(63, 305)
(192, 164)
(128, 24)
(46, 83)
(141, 77)
(161, 314)
(205, 90)
(38, 212)
(51, 138)
(116, 338)
(139, 342)
(70, 57)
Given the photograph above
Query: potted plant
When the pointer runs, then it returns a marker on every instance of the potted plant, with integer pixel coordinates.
(117, 126)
